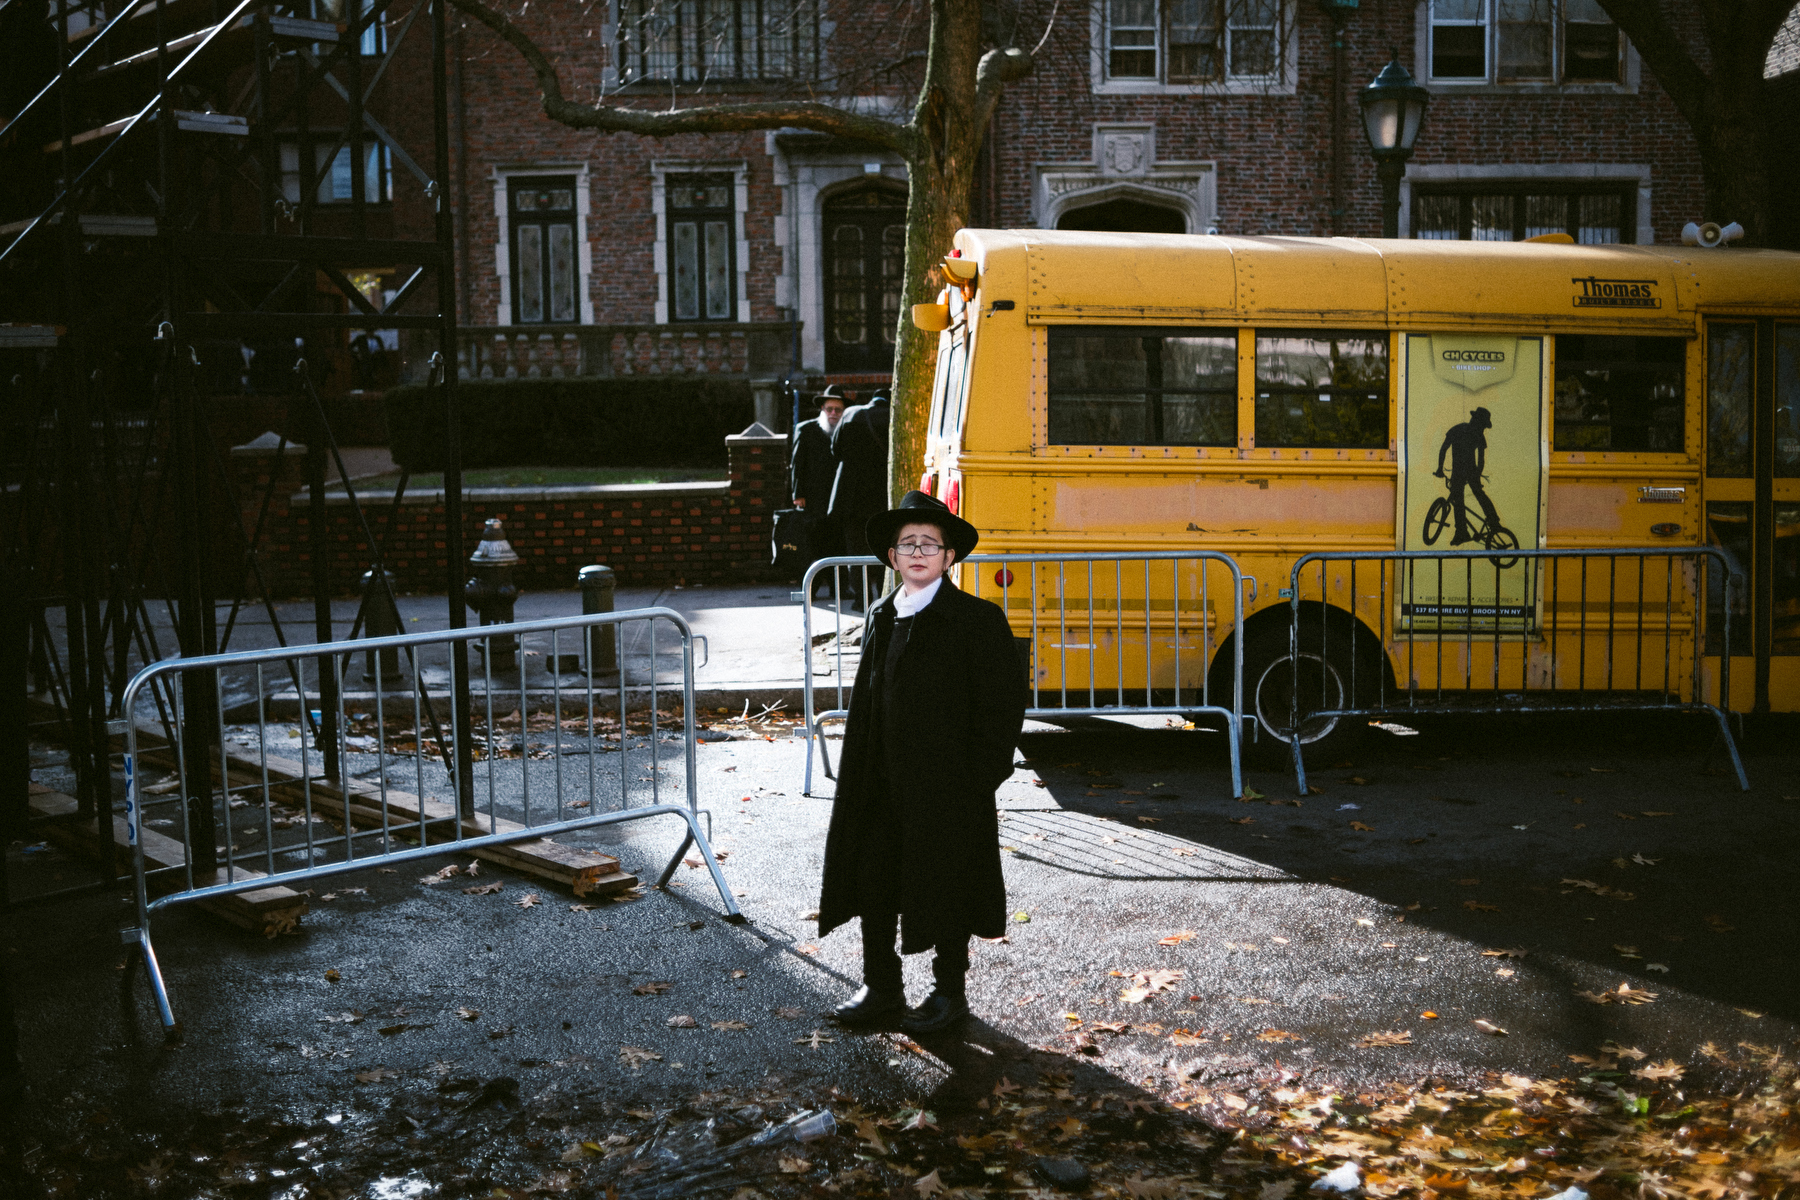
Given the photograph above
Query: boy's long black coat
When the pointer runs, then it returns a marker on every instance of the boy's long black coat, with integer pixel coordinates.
(962, 695)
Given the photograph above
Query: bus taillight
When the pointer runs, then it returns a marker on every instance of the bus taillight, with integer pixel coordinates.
(928, 483)
(953, 496)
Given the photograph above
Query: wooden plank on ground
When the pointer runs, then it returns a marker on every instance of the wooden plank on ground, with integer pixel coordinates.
(269, 911)
(586, 872)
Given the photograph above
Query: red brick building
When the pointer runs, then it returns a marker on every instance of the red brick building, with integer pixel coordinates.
(604, 253)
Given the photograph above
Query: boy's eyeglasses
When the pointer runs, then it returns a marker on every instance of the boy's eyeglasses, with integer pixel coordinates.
(919, 549)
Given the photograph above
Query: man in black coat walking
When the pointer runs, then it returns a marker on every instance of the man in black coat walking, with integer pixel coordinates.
(935, 714)
(860, 444)
(813, 470)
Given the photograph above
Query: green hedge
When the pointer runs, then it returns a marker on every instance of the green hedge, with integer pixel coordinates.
(573, 422)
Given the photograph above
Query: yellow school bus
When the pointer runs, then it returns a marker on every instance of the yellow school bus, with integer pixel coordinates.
(1270, 397)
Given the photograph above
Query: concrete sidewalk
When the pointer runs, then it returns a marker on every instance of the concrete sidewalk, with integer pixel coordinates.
(751, 654)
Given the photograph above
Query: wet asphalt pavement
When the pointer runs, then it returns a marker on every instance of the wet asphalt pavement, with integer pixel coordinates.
(1308, 933)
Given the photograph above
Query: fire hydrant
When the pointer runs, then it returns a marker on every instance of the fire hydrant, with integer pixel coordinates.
(491, 591)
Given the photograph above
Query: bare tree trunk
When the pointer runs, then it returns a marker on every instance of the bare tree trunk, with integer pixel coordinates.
(962, 86)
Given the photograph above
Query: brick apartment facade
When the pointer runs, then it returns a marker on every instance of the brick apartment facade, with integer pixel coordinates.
(1137, 117)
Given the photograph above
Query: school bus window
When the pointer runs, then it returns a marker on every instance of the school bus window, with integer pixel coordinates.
(1322, 388)
(1619, 393)
(1143, 387)
(1729, 351)
(1787, 401)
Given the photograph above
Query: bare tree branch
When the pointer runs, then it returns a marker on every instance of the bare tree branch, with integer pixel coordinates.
(1663, 49)
(708, 118)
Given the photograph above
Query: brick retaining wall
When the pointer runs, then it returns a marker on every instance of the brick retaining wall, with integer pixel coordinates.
(649, 534)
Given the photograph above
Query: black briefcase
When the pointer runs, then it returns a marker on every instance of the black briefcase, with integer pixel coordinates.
(791, 541)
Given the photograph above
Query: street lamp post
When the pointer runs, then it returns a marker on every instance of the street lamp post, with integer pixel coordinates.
(1393, 108)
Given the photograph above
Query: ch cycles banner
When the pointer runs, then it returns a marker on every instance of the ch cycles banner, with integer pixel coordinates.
(1471, 478)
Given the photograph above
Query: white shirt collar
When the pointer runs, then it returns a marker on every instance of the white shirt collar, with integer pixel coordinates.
(907, 603)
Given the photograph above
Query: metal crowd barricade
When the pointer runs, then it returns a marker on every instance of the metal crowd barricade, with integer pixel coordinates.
(559, 743)
(1521, 631)
(1120, 634)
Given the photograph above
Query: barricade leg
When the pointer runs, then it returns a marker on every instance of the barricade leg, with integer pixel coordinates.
(695, 838)
(139, 940)
(1737, 763)
(1236, 749)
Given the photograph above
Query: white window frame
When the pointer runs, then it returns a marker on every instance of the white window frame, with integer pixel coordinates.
(584, 252)
(1516, 173)
(660, 170)
(1282, 83)
(1490, 85)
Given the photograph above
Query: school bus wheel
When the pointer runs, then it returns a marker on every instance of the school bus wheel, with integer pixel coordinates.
(1323, 678)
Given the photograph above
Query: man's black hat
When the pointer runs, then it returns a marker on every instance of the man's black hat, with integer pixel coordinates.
(918, 508)
(1481, 416)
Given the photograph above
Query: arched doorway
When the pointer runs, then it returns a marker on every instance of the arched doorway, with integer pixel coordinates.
(1124, 215)
(864, 233)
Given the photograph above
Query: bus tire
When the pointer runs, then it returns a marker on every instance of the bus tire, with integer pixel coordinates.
(1268, 692)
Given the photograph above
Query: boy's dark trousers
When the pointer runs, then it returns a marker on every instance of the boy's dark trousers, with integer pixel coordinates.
(881, 962)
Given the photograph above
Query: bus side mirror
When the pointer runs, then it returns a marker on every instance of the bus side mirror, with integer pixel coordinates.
(932, 318)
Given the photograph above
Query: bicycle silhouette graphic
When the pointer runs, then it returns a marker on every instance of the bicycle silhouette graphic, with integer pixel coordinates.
(1491, 535)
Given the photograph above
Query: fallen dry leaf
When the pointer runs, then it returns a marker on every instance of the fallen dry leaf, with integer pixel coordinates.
(1360, 826)
(1147, 983)
(815, 1039)
(655, 988)
(793, 1166)
(1152, 1189)
(920, 1120)
(1503, 953)
(483, 889)
(376, 1075)
(1478, 906)
(930, 1185)
(468, 1014)
(528, 900)
(682, 1021)
(1623, 994)
(637, 1056)
(1488, 1027)
(1277, 1035)
(1242, 820)
(1386, 1039)
(730, 1025)
(1175, 939)
(807, 948)
(1069, 1129)
(1666, 1069)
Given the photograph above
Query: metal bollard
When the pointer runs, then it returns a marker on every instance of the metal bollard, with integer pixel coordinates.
(491, 591)
(597, 585)
(380, 619)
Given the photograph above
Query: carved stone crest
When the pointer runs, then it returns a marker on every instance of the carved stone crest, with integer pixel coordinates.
(1125, 153)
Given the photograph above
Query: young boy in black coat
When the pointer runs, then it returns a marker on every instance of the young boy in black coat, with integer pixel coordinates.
(934, 718)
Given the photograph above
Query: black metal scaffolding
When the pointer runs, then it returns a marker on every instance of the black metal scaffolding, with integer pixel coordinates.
(173, 196)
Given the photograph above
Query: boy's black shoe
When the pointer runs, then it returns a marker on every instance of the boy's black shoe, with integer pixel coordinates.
(865, 1006)
(938, 1012)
